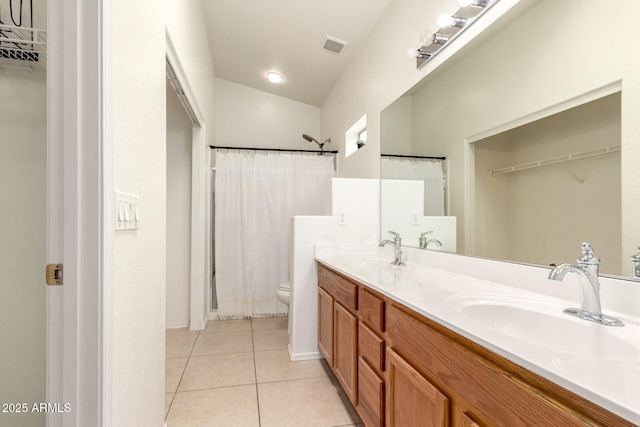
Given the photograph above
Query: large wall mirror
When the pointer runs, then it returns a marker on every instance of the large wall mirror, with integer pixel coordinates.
(533, 131)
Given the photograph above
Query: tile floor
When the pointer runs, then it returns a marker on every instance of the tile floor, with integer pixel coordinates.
(237, 373)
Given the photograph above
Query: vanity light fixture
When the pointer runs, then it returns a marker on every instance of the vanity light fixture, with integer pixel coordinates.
(477, 3)
(274, 77)
(449, 27)
(446, 20)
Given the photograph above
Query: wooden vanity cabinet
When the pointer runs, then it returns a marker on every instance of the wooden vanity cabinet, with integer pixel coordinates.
(401, 369)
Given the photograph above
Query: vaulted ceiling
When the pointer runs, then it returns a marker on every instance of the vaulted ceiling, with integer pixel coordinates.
(248, 38)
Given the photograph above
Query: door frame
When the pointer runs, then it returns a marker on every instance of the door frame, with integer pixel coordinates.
(201, 238)
(79, 172)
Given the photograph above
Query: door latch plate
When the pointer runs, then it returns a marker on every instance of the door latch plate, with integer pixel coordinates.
(54, 274)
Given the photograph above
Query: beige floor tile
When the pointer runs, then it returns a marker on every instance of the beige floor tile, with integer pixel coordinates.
(269, 323)
(274, 365)
(223, 343)
(228, 406)
(173, 370)
(227, 326)
(222, 370)
(179, 343)
(308, 402)
(273, 339)
(168, 398)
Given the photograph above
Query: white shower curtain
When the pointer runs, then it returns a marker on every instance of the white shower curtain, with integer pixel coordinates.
(429, 171)
(256, 194)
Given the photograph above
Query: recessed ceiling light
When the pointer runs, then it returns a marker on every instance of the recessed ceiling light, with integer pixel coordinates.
(274, 77)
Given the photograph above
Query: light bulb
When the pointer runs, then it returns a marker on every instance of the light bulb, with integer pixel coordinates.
(417, 53)
(446, 20)
(274, 77)
(413, 53)
(428, 37)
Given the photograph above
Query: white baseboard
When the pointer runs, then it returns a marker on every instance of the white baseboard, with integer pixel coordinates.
(177, 325)
(295, 357)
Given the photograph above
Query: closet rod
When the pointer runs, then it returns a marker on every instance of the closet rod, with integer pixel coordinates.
(413, 157)
(213, 147)
(597, 152)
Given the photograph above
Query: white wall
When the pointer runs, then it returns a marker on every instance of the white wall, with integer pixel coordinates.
(138, 92)
(22, 246)
(179, 147)
(247, 117)
(359, 200)
(396, 127)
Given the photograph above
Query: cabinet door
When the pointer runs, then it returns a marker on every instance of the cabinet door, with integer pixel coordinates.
(345, 343)
(411, 399)
(370, 395)
(325, 325)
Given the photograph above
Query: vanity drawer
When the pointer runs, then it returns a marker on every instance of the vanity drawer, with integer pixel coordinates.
(371, 347)
(342, 289)
(372, 310)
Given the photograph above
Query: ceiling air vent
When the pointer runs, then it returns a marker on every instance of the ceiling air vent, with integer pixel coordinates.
(333, 45)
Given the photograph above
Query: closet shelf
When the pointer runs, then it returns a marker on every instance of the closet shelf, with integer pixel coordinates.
(23, 47)
(560, 159)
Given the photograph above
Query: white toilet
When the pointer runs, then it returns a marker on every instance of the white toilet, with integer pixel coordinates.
(284, 292)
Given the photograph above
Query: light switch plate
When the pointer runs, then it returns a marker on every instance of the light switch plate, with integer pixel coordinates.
(127, 215)
(342, 218)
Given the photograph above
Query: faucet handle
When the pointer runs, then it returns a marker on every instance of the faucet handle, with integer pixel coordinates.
(425, 233)
(588, 256)
(394, 234)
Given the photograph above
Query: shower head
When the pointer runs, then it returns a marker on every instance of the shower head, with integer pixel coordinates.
(309, 138)
(312, 139)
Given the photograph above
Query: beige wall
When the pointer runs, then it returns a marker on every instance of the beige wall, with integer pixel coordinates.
(247, 117)
(541, 215)
(22, 245)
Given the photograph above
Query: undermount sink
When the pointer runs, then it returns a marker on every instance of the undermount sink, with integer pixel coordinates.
(542, 323)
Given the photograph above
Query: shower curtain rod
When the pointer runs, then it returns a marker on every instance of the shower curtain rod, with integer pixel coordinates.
(413, 157)
(213, 147)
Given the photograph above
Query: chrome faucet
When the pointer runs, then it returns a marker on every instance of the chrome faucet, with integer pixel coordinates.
(397, 245)
(424, 242)
(587, 271)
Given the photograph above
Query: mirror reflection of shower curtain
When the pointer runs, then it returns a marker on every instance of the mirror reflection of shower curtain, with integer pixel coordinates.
(256, 194)
(429, 171)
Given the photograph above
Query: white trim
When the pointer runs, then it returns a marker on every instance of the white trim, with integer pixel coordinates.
(176, 65)
(581, 99)
(75, 219)
(108, 218)
(303, 356)
(55, 213)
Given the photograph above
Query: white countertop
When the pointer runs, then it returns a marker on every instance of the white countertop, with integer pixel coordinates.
(599, 363)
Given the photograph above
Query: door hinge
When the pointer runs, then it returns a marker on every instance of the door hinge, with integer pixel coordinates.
(54, 274)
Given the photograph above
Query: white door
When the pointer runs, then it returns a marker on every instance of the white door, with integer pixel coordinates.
(23, 238)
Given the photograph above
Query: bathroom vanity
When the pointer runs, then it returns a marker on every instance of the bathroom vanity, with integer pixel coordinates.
(400, 348)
